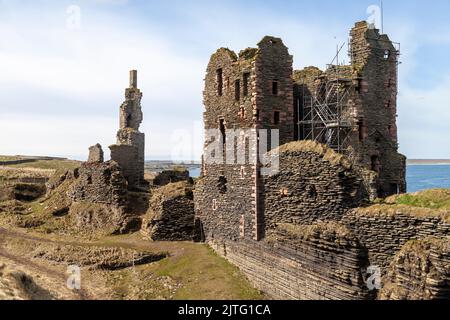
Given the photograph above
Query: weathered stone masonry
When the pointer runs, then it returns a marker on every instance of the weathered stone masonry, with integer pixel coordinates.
(243, 92)
(171, 213)
(371, 110)
(129, 152)
(321, 262)
(297, 233)
(101, 196)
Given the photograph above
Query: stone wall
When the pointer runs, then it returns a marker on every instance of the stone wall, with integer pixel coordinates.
(171, 214)
(273, 68)
(171, 176)
(384, 231)
(126, 156)
(314, 183)
(95, 153)
(420, 271)
(321, 262)
(101, 183)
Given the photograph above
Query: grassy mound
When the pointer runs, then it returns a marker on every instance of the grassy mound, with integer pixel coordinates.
(430, 203)
(431, 199)
(322, 150)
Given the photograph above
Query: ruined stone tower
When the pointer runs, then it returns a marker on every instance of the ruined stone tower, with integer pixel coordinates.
(257, 97)
(374, 145)
(129, 152)
(353, 109)
(292, 158)
(243, 93)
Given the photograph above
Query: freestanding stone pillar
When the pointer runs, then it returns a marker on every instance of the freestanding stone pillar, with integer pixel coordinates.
(130, 148)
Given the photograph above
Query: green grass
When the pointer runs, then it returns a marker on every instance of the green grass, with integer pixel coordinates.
(200, 273)
(205, 275)
(431, 199)
(9, 158)
(429, 203)
(49, 164)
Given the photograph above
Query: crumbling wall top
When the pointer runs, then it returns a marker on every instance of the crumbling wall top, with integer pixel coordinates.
(248, 53)
(96, 153)
(270, 41)
(306, 74)
(225, 52)
(133, 79)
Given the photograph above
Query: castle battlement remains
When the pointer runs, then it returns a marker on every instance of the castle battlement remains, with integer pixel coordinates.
(297, 232)
(129, 152)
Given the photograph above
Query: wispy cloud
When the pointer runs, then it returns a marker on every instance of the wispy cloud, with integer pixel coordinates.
(61, 87)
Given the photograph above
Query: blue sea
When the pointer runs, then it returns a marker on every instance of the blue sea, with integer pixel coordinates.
(195, 173)
(423, 177)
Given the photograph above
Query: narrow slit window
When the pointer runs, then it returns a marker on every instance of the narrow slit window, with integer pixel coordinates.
(222, 131)
(222, 185)
(276, 118)
(358, 86)
(237, 90)
(219, 74)
(246, 83)
(362, 130)
(275, 88)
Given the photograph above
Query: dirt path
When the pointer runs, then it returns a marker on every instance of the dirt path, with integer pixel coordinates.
(29, 264)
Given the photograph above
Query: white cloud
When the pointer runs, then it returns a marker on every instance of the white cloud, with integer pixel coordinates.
(82, 73)
(90, 64)
(51, 135)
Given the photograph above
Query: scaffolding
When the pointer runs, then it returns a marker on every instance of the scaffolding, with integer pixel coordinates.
(321, 115)
(324, 113)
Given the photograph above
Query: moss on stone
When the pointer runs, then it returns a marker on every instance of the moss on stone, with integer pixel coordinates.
(391, 210)
(307, 73)
(327, 153)
(326, 229)
(173, 190)
(248, 53)
(432, 199)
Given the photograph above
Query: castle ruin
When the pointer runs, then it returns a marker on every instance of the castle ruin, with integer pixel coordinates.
(129, 152)
(290, 157)
(353, 108)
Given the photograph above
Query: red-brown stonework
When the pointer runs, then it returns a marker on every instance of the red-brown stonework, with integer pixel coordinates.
(371, 109)
(289, 217)
(243, 92)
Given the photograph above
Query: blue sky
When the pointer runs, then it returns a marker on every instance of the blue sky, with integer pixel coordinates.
(61, 83)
